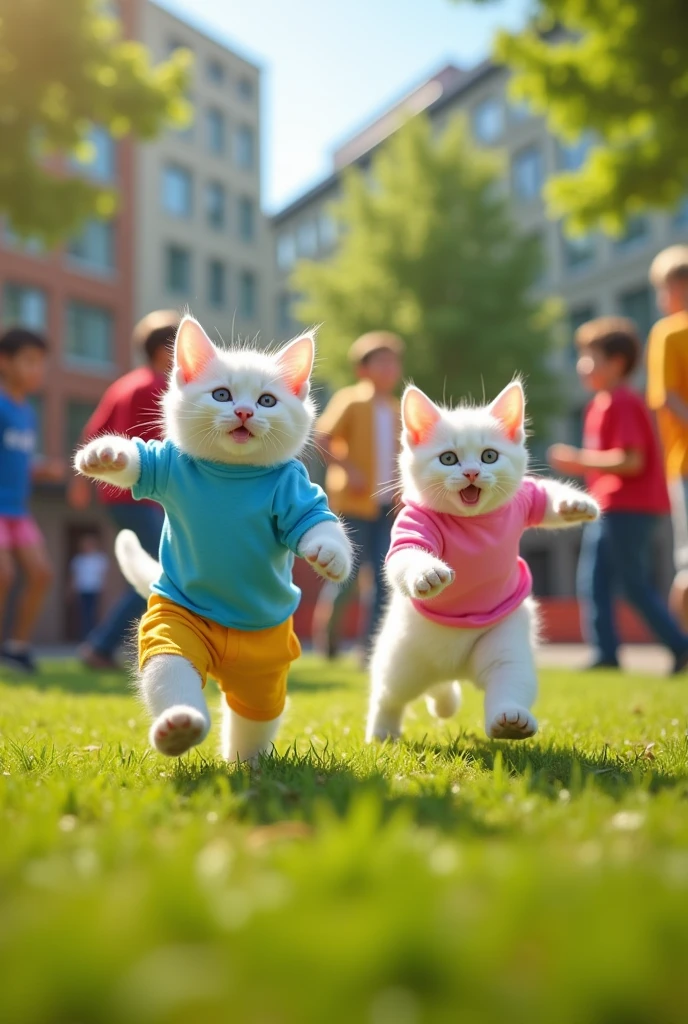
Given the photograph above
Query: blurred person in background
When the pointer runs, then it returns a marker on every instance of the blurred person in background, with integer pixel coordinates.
(622, 466)
(667, 395)
(360, 432)
(23, 359)
(88, 571)
(130, 406)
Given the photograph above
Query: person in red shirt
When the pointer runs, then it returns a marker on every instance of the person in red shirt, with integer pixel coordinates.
(621, 462)
(130, 406)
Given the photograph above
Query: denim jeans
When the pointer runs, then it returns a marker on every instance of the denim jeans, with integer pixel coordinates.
(616, 559)
(88, 612)
(371, 540)
(146, 522)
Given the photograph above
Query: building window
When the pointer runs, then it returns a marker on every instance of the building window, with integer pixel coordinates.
(215, 72)
(519, 112)
(284, 319)
(245, 89)
(286, 251)
(102, 165)
(215, 130)
(217, 283)
(488, 121)
(31, 246)
(247, 219)
(527, 173)
(572, 156)
(177, 191)
(215, 204)
(178, 270)
(638, 304)
(78, 415)
(637, 232)
(89, 334)
(24, 306)
(188, 133)
(578, 250)
(577, 317)
(94, 248)
(327, 230)
(307, 238)
(244, 147)
(248, 298)
(174, 44)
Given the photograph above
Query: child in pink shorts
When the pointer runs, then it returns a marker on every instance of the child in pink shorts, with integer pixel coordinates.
(22, 371)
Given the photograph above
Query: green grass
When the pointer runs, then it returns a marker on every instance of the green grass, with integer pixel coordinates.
(444, 879)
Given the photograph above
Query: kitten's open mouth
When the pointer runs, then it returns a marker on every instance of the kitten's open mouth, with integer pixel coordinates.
(241, 435)
(470, 495)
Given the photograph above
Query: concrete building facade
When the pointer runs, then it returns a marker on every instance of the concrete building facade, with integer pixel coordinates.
(592, 276)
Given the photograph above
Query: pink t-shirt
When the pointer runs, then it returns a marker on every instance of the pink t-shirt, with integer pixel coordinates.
(490, 578)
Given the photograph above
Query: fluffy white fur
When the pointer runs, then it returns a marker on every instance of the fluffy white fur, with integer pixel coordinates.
(204, 427)
(414, 655)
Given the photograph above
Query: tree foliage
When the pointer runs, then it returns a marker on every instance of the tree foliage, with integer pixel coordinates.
(620, 70)
(428, 250)
(64, 67)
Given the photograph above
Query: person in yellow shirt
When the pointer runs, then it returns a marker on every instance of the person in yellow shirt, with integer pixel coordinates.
(359, 432)
(667, 395)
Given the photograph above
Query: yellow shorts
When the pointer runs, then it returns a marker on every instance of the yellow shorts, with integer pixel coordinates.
(251, 667)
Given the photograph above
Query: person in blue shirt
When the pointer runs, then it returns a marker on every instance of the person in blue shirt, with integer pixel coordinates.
(22, 372)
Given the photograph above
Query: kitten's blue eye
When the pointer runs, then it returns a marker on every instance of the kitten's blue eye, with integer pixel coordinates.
(267, 401)
(449, 458)
(222, 395)
(489, 456)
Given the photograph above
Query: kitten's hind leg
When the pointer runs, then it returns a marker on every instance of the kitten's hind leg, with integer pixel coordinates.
(171, 690)
(398, 675)
(244, 739)
(444, 700)
(503, 665)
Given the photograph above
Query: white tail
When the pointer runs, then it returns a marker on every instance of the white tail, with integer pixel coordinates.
(137, 566)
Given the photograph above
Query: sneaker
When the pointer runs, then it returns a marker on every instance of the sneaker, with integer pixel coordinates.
(90, 658)
(20, 661)
(600, 665)
(680, 664)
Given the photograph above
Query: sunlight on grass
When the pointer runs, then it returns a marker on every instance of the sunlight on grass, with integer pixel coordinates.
(447, 877)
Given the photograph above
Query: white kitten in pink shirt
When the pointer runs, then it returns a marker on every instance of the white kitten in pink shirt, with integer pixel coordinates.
(460, 605)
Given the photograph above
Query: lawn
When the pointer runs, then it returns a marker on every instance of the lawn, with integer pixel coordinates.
(444, 879)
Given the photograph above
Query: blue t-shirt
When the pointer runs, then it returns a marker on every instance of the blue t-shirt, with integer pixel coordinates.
(230, 534)
(17, 447)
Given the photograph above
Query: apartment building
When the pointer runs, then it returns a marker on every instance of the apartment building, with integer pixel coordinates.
(592, 276)
(200, 239)
(80, 296)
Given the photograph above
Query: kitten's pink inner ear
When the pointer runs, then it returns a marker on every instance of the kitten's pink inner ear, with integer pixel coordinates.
(193, 349)
(296, 363)
(509, 409)
(419, 415)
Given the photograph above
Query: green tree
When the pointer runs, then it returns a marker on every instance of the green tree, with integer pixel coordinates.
(620, 71)
(64, 67)
(428, 250)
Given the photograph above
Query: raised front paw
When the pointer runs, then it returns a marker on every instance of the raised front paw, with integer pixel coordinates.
(580, 509)
(99, 457)
(329, 559)
(430, 582)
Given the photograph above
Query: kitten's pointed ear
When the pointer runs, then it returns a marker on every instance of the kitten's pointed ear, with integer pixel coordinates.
(193, 349)
(295, 363)
(419, 415)
(509, 408)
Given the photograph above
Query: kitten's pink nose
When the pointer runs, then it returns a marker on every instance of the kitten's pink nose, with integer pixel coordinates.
(471, 474)
(243, 413)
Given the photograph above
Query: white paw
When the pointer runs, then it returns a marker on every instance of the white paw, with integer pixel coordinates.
(177, 730)
(577, 510)
(430, 582)
(384, 724)
(444, 701)
(329, 559)
(100, 457)
(512, 723)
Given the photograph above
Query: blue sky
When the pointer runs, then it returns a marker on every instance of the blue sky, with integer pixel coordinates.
(329, 65)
